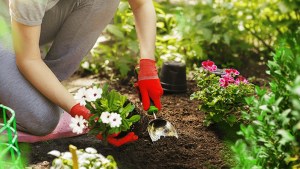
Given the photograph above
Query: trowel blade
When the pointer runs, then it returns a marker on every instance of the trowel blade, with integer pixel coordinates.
(159, 127)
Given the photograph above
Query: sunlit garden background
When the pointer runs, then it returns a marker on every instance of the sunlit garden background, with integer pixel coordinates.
(259, 39)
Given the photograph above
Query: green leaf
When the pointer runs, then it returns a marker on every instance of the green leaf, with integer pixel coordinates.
(231, 119)
(264, 108)
(217, 19)
(286, 136)
(259, 91)
(95, 131)
(212, 103)
(134, 118)
(114, 130)
(97, 105)
(249, 100)
(104, 104)
(129, 108)
(134, 46)
(123, 68)
(215, 39)
(115, 100)
(126, 124)
(115, 30)
(105, 90)
(90, 107)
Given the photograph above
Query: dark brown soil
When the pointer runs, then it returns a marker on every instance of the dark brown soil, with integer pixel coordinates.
(197, 147)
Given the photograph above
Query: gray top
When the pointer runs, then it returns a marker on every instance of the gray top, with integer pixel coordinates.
(30, 12)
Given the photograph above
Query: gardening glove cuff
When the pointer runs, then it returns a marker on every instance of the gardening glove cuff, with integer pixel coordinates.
(117, 142)
(149, 84)
(80, 111)
(147, 70)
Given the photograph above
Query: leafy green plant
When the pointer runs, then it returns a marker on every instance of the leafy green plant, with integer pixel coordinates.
(111, 112)
(116, 52)
(111, 101)
(218, 101)
(230, 32)
(271, 137)
(238, 28)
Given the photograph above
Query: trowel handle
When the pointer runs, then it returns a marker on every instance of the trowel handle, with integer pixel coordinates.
(152, 109)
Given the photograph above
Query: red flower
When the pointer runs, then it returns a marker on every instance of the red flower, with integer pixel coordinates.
(209, 65)
(232, 72)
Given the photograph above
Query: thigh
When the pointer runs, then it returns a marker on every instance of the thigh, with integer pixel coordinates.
(34, 113)
(78, 33)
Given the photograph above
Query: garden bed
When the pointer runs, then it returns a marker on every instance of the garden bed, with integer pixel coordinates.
(197, 147)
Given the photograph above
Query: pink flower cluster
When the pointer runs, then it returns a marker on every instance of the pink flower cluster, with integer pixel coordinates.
(240, 79)
(209, 65)
(232, 72)
(229, 76)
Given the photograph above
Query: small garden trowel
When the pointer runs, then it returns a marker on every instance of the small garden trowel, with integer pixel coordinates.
(159, 127)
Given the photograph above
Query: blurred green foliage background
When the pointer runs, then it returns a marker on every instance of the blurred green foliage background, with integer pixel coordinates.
(229, 32)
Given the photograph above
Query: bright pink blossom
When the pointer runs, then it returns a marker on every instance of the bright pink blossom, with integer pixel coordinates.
(232, 72)
(241, 79)
(209, 65)
(223, 82)
(226, 80)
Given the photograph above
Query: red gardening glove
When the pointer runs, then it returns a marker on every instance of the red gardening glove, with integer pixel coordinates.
(117, 142)
(79, 110)
(149, 84)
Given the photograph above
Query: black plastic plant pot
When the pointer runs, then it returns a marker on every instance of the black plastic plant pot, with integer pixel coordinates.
(173, 77)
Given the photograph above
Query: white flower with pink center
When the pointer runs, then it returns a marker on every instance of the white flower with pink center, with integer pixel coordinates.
(81, 96)
(105, 117)
(93, 94)
(78, 124)
(115, 120)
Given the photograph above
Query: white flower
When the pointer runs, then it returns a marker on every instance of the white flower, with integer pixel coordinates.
(57, 162)
(81, 96)
(78, 124)
(104, 160)
(91, 150)
(85, 65)
(92, 94)
(105, 117)
(115, 120)
(97, 164)
(66, 155)
(54, 153)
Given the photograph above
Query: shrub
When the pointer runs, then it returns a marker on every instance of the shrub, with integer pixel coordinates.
(222, 98)
(271, 139)
(116, 52)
